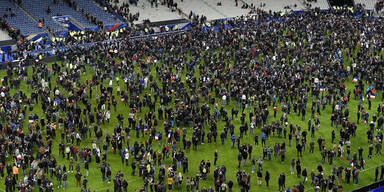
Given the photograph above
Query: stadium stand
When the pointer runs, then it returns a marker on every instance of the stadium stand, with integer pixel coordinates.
(198, 7)
(227, 8)
(153, 13)
(276, 5)
(90, 7)
(369, 4)
(20, 20)
(38, 9)
(322, 4)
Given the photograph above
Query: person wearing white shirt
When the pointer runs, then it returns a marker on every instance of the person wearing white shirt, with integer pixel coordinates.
(224, 99)
(243, 101)
(126, 156)
(145, 82)
(108, 115)
(337, 107)
(94, 146)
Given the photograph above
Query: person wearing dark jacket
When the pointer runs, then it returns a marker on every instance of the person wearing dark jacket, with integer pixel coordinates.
(230, 185)
(304, 174)
(125, 185)
(267, 178)
(382, 172)
(9, 184)
(64, 179)
(78, 179)
(281, 182)
(376, 173)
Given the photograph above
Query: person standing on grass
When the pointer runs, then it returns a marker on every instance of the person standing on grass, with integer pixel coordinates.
(188, 183)
(256, 139)
(267, 178)
(133, 166)
(78, 179)
(193, 184)
(222, 137)
(281, 182)
(170, 183)
(304, 174)
(253, 162)
(233, 139)
(109, 173)
(224, 98)
(125, 156)
(376, 173)
(185, 164)
(86, 167)
(239, 158)
(360, 150)
(9, 183)
(85, 181)
(347, 175)
(1, 170)
(15, 171)
(250, 148)
(124, 185)
(260, 164)
(70, 165)
(259, 177)
(298, 168)
(299, 149)
(263, 139)
(370, 151)
(59, 177)
(293, 166)
(356, 175)
(215, 157)
(282, 154)
(77, 167)
(103, 171)
(64, 180)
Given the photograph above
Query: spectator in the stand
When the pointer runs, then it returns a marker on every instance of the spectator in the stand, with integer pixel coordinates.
(48, 10)
(379, 6)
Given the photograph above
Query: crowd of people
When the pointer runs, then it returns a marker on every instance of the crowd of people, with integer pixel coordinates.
(163, 96)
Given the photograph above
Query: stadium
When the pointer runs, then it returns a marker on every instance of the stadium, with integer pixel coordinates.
(191, 95)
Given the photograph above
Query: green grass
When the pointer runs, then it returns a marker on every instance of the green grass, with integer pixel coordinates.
(227, 156)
